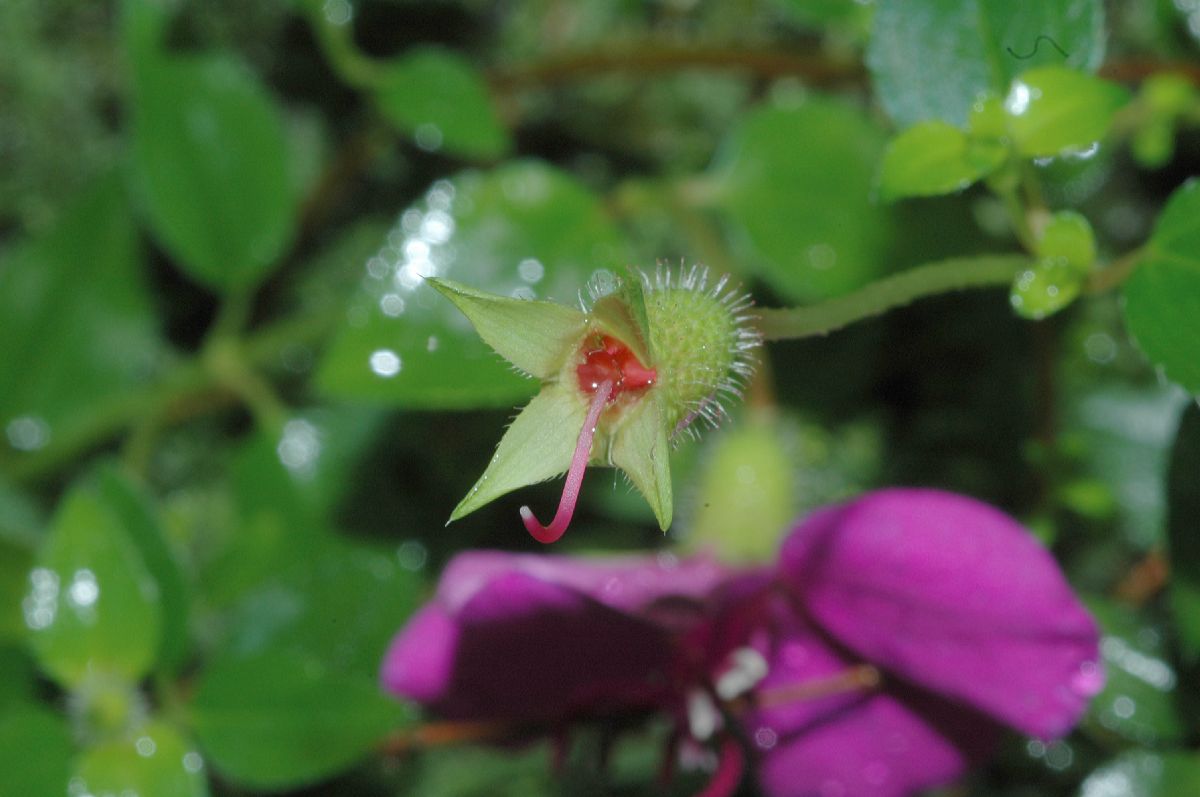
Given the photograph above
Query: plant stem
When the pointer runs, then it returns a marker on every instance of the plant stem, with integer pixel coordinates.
(931, 279)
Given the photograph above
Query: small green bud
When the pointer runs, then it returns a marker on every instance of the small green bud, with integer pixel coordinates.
(1068, 237)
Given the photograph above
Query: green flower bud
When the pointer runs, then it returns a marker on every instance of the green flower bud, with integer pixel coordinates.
(623, 379)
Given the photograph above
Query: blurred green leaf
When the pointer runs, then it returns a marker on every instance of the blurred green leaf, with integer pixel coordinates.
(439, 98)
(78, 326)
(1162, 298)
(15, 562)
(35, 752)
(341, 606)
(156, 761)
(1052, 110)
(1068, 236)
(1183, 532)
(1139, 773)
(142, 524)
(1138, 701)
(93, 607)
(1045, 289)
(795, 183)
(525, 230)
(281, 719)
(16, 677)
(828, 13)
(210, 165)
(932, 158)
(931, 59)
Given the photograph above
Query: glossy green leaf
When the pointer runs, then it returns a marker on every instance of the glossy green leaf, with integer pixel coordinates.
(341, 605)
(640, 448)
(537, 446)
(524, 230)
(78, 324)
(796, 184)
(932, 158)
(1138, 700)
(93, 607)
(1141, 773)
(1043, 290)
(280, 720)
(15, 563)
(35, 752)
(1183, 513)
(931, 59)
(1068, 237)
(143, 525)
(1052, 110)
(210, 165)
(536, 336)
(157, 760)
(439, 98)
(1162, 298)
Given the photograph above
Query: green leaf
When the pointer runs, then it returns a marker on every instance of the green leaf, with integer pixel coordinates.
(1183, 509)
(640, 448)
(281, 720)
(157, 760)
(1052, 110)
(1162, 298)
(341, 605)
(15, 563)
(795, 183)
(210, 165)
(536, 447)
(1043, 290)
(931, 59)
(141, 522)
(1138, 700)
(443, 101)
(1141, 773)
(932, 158)
(535, 336)
(93, 607)
(1068, 237)
(16, 676)
(525, 230)
(78, 324)
(35, 752)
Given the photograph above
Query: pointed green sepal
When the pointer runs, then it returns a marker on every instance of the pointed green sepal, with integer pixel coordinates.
(640, 448)
(622, 314)
(537, 446)
(535, 336)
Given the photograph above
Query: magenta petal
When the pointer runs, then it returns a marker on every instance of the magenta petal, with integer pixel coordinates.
(877, 747)
(419, 662)
(952, 595)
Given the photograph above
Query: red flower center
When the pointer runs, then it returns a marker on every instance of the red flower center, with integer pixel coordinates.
(607, 359)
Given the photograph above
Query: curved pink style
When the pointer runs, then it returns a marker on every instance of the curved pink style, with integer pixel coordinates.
(583, 450)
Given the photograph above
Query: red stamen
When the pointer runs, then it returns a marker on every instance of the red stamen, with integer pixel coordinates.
(583, 450)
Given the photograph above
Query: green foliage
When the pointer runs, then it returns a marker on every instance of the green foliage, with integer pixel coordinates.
(931, 59)
(280, 719)
(795, 182)
(261, 268)
(1162, 298)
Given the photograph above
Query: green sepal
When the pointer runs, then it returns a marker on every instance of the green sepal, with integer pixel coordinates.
(622, 314)
(535, 336)
(1043, 290)
(1052, 110)
(537, 446)
(640, 448)
(932, 158)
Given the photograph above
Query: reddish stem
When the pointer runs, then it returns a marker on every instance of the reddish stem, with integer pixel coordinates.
(731, 765)
(583, 451)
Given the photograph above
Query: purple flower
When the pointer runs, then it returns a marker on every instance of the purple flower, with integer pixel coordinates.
(969, 619)
(882, 654)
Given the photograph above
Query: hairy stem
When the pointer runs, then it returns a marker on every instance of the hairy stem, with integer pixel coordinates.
(985, 271)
